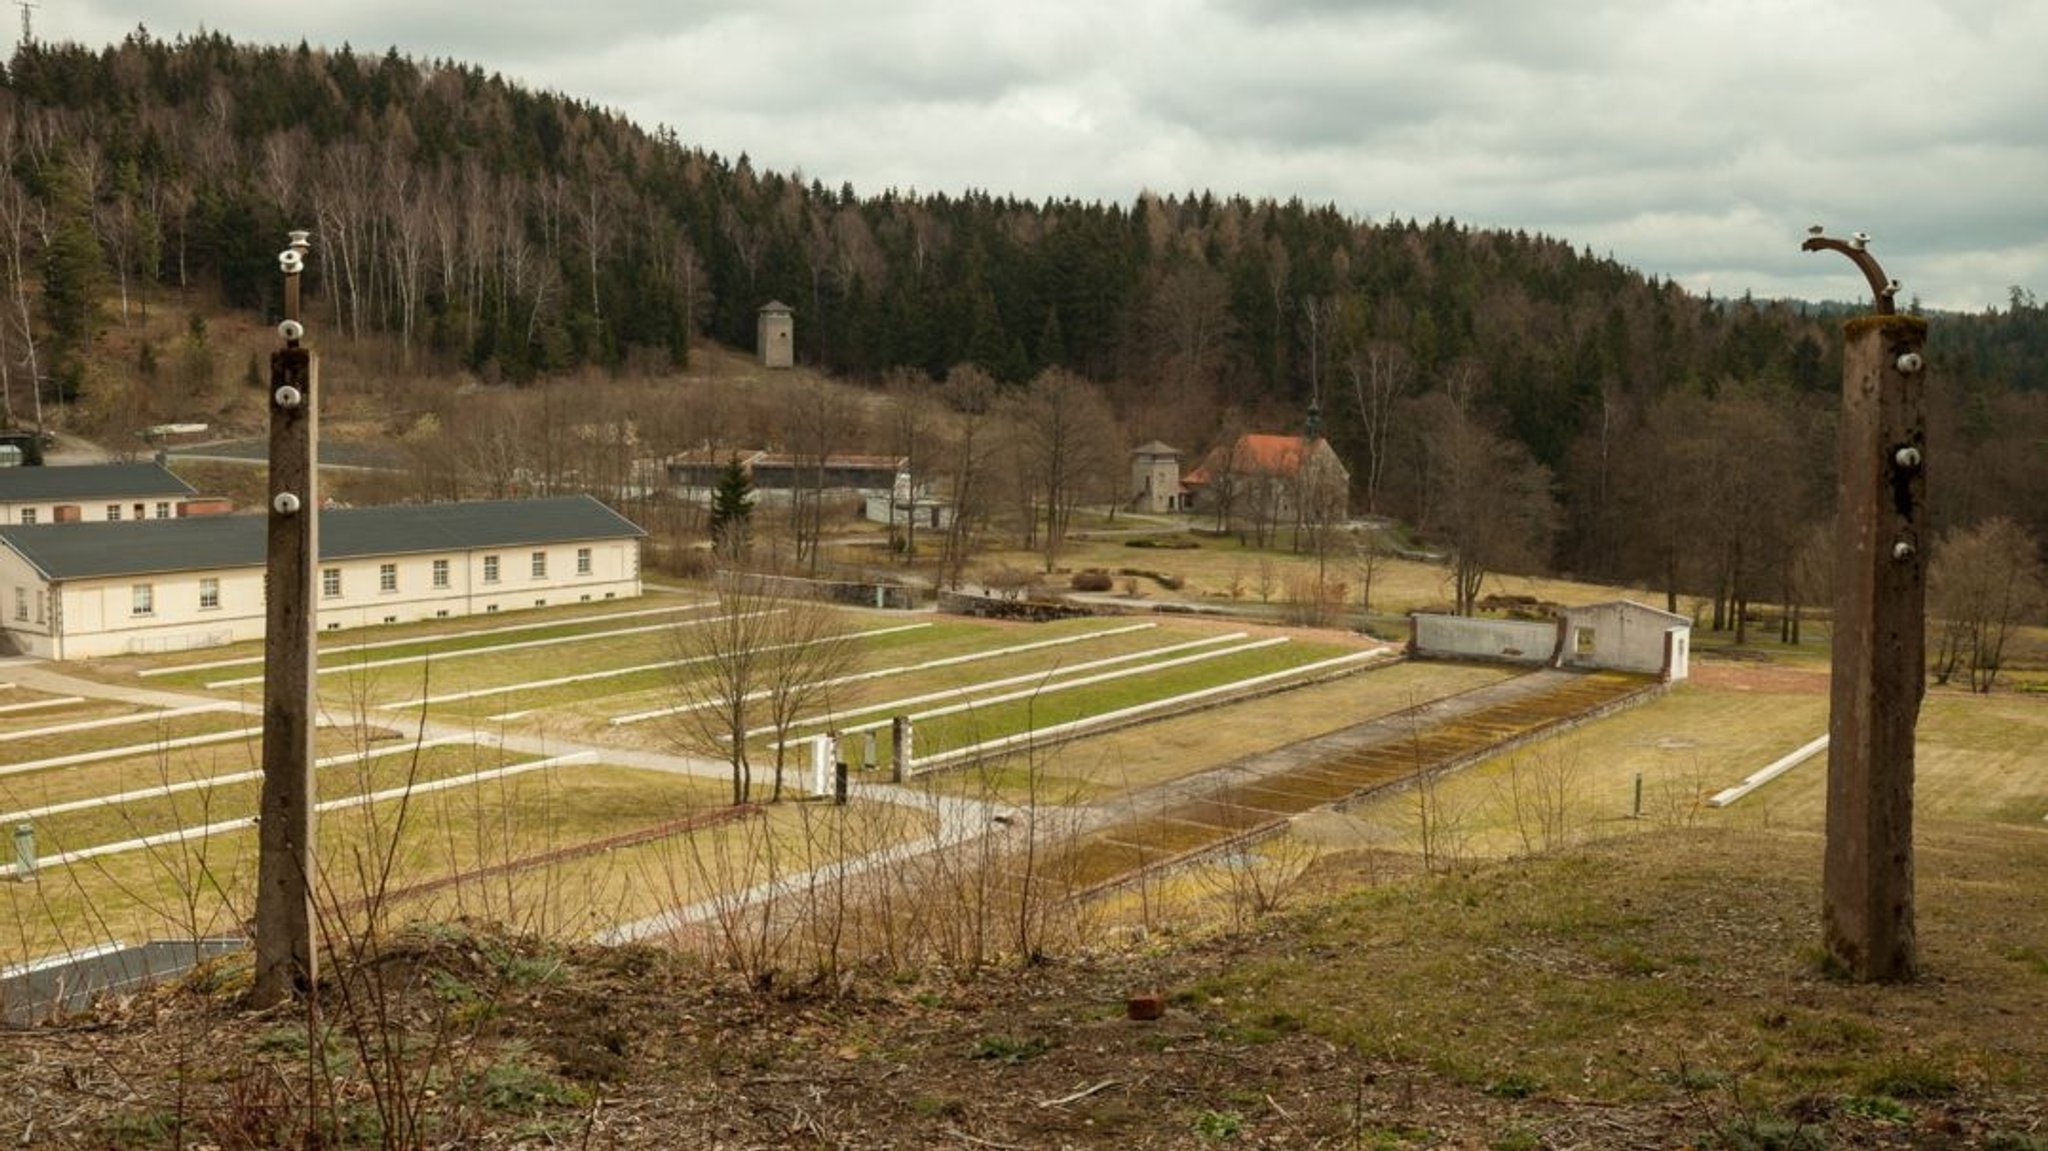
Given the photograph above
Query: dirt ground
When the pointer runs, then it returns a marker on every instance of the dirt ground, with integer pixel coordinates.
(1719, 675)
(1285, 1034)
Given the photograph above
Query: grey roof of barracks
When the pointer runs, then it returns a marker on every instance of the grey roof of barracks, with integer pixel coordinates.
(203, 543)
(89, 482)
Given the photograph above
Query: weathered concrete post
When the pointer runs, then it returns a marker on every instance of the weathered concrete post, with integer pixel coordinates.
(1879, 671)
(904, 735)
(285, 956)
(821, 764)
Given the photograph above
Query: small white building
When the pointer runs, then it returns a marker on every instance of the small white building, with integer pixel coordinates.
(1619, 636)
(86, 590)
(90, 493)
(907, 505)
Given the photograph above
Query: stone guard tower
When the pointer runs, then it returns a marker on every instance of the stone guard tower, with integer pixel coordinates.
(1155, 478)
(775, 335)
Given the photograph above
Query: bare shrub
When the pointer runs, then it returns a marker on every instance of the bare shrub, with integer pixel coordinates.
(1254, 880)
(1092, 580)
(1313, 601)
(1677, 798)
(1539, 792)
(1439, 818)
(1266, 579)
(1010, 582)
(748, 937)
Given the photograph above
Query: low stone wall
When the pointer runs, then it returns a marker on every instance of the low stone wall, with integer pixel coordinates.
(37, 992)
(851, 592)
(996, 607)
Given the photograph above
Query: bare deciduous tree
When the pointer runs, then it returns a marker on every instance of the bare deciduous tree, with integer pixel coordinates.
(721, 675)
(1380, 374)
(911, 415)
(816, 417)
(1984, 583)
(1063, 442)
(970, 393)
(1490, 504)
(767, 659)
(809, 650)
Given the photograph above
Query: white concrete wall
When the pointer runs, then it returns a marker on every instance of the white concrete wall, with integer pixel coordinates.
(96, 618)
(1456, 637)
(1680, 639)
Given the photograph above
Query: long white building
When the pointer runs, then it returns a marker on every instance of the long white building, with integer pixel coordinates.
(86, 493)
(86, 590)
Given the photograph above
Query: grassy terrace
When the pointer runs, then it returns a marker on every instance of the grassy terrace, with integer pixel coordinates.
(205, 883)
(978, 652)
(555, 818)
(29, 710)
(93, 709)
(1100, 769)
(499, 679)
(1329, 776)
(23, 749)
(1051, 707)
(639, 880)
(148, 815)
(1695, 740)
(152, 767)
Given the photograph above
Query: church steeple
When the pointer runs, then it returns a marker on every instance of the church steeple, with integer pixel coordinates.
(1312, 427)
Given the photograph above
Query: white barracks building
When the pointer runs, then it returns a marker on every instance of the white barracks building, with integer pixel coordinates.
(80, 590)
(93, 493)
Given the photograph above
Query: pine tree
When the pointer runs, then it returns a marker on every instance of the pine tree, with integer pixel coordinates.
(732, 509)
(72, 274)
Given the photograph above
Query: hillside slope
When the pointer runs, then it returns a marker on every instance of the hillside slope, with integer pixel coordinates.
(1656, 990)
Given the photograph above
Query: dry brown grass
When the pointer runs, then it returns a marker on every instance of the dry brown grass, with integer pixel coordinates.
(1674, 965)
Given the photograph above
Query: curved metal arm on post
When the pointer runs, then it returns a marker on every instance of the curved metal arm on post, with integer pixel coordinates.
(1857, 249)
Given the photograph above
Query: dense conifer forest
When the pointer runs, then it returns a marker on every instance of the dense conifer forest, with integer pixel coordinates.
(520, 236)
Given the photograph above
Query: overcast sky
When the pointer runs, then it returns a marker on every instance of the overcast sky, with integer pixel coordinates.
(1693, 139)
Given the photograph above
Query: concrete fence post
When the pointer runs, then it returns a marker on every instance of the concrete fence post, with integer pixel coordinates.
(900, 729)
(821, 764)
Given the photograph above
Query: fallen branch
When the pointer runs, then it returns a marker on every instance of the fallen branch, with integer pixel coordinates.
(1079, 1095)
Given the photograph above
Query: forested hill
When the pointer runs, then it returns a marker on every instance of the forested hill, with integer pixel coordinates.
(520, 233)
